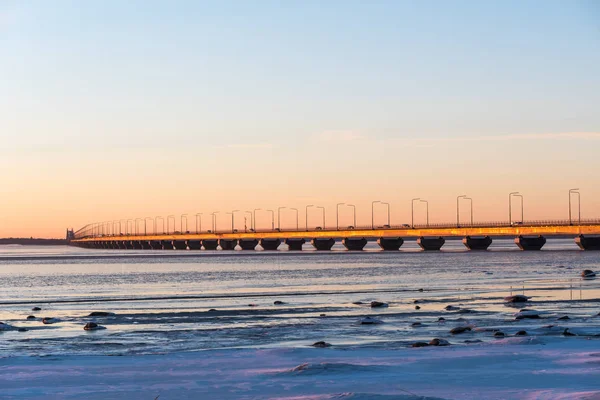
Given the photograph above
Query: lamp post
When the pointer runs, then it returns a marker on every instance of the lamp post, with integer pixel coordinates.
(521, 196)
(121, 226)
(251, 220)
(232, 220)
(214, 221)
(373, 213)
(306, 215)
(322, 208)
(458, 209)
(337, 215)
(353, 214)
(427, 206)
(510, 195)
(272, 219)
(471, 201)
(145, 226)
(181, 219)
(198, 226)
(254, 218)
(136, 225)
(412, 211)
(163, 223)
(574, 191)
(388, 212)
(132, 223)
(169, 217)
(295, 209)
(279, 217)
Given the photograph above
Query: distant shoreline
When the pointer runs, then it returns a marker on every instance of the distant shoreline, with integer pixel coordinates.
(33, 241)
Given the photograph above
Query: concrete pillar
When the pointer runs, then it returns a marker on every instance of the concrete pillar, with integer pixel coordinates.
(167, 245)
(477, 243)
(530, 243)
(588, 242)
(118, 244)
(322, 244)
(180, 244)
(247, 244)
(227, 244)
(390, 244)
(356, 244)
(127, 244)
(295, 244)
(145, 245)
(428, 244)
(269, 244)
(194, 244)
(156, 245)
(135, 244)
(210, 244)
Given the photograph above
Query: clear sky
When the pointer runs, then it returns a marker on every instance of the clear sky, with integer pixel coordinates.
(114, 109)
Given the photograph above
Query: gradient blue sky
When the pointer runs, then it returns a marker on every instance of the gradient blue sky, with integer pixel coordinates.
(125, 109)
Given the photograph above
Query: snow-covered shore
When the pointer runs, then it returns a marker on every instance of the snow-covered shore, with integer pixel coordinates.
(511, 368)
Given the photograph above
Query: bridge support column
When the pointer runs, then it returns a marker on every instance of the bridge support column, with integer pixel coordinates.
(180, 244)
(356, 244)
(167, 245)
(127, 244)
(588, 242)
(269, 244)
(156, 245)
(429, 244)
(322, 244)
(227, 244)
(295, 244)
(145, 245)
(390, 244)
(477, 243)
(194, 244)
(530, 243)
(136, 245)
(210, 244)
(247, 244)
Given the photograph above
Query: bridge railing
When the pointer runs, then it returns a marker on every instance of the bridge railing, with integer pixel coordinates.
(92, 230)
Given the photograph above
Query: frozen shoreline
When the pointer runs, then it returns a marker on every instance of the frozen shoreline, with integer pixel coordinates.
(523, 368)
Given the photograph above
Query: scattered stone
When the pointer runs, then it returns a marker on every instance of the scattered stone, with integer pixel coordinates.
(548, 326)
(588, 273)
(441, 319)
(498, 334)
(465, 311)
(321, 344)
(521, 333)
(252, 305)
(30, 317)
(100, 314)
(92, 326)
(36, 309)
(212, 310)
(22, 330)
(416, 324)
(322, 315)
(278, 302)
(563, 318)
(6, 327)
(460, 329)
(517, 298)
(417, 308)
(527, 314)
(420, 290)
(420, 344)
(358, 303)
(49, 321)
(416, 301)
(567, 333)
(439, 342)
(473, 341)
(376, 304)
(451, 308)
(370, 321)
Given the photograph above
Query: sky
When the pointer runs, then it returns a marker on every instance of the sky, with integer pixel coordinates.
(113, 110)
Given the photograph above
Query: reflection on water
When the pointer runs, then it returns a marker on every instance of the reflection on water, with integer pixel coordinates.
(164, 304)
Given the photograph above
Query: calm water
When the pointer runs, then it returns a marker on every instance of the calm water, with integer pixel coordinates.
(162, 300)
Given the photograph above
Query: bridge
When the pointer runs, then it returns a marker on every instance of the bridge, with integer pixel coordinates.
(528, 235)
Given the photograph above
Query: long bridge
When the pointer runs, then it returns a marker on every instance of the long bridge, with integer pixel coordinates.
(528, 235)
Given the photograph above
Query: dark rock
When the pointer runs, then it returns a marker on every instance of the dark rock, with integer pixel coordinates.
(517, 298)
(441, 319)
(588, 273)
(416, 324)
(451, 308)
(473, 341)
(49, 321)
(521, 333)
(420, 344)
(30, 317)
(420, 290)
(498, 334)
(358, 303)
(322, 315)
(22, 330)
(460, 329)
(278, 302)
(563, 318)
(36, 309)
(92, 326)
(370, 321)
(417, 308)
(321, 344)
(100, 314)
(416, 301)
(212, 310)
(439, 342)
(465, 311)
(567, 333)
(252, 305)
(376, 304)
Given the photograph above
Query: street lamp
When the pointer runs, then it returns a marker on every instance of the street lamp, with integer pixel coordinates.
(121, 226)
(232, 222)
(322, 208)
(353, 213)
(251, 220)
(306, 215)
(279, 218)
(136, 224)
(132, 223)
(163, 223)
(510, 206)
(471, 201)
(198, 226)
(458, 209)
(427, 205)
(254, 218)
(412, 211)
(169, 217)
(337, 215)
(388, 210)
(295, 209)
(145, 226)
(214, 221)
(373, 213)
(574, 191)
(272, 219)
(521, 196)
(181, 219)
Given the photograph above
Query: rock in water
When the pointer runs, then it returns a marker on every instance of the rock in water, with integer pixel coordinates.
(278, 302)
(527, 314)
(36, 309)
(439, 342)
(92, 326)
(100, 314)
(563, 318)
(49, 321)
(416, 324)
(441, 319)
(451, 308)
(420, 344)
(498, 334)
(521, 333)
(588, 273)
(22, 330)
(460, 329)
(370, 321)
(6, 327)
(375, 304)
(517, 298)
(358, 303)
(567, 333)
(417, 308)
(321, 344)
(30, 317)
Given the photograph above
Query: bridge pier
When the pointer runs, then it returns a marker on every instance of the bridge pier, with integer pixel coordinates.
(167, 245)
(127, 244)
(247, 244)
(588, 242)
(322, 244)
(356, 244)
(530, 243)
(477, 243)
(227, 244)
(180, 244)
(269, 244)
(429, 244)
(295, 244)
(210, 244)
(194, 244)
(155, 245)
(145, 245)
(390, 244)
(136, 245)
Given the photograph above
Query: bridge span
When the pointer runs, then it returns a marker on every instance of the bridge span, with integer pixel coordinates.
(527, 236)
